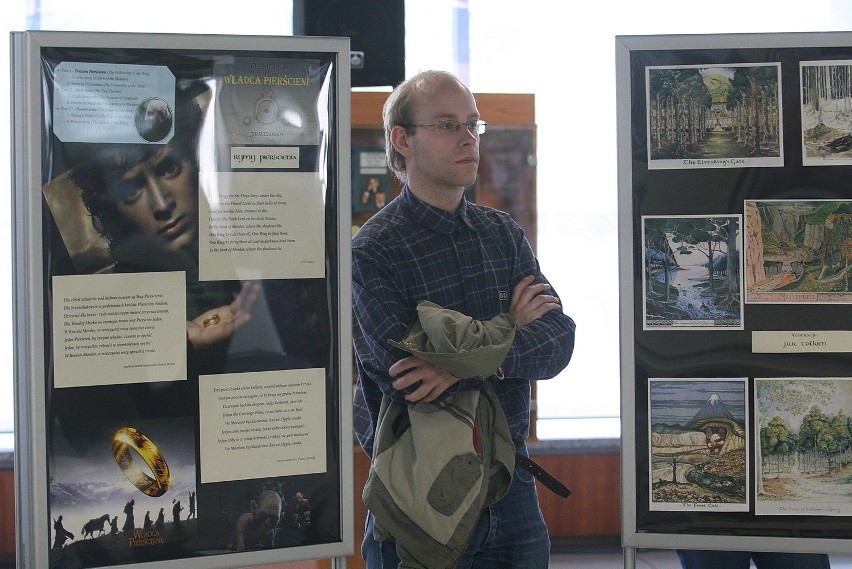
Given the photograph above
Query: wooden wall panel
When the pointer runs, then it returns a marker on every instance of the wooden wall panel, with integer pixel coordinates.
(319, 564)
(7, 511)
(594, 507)
(496, 108)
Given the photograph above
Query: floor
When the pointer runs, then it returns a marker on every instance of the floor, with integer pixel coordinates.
(612, 557)
(595, 557)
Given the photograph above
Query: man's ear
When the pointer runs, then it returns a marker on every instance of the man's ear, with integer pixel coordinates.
(400, 140)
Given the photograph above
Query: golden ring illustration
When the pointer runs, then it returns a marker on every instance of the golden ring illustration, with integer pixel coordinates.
(212, 321)
(127, 438)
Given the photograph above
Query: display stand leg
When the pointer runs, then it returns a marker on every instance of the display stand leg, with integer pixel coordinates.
(629, 558)
(338, 563)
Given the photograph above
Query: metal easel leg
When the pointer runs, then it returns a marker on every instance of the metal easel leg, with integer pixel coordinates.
(629, 558)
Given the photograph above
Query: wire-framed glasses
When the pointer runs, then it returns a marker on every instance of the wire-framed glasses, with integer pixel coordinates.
(454, 127)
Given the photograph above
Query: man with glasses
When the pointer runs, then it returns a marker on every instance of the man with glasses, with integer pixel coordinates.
(431, 244)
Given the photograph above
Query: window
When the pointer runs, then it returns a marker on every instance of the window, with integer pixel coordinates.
(254, 17)
(567, 60)
(13, 19)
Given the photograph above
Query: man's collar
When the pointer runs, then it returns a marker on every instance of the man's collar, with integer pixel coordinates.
(435, 218)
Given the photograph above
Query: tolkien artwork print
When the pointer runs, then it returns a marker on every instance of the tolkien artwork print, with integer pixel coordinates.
(714, 116)
(698, 444)
(826, 112)
(797, 252)
(804, 453)
(692, 272)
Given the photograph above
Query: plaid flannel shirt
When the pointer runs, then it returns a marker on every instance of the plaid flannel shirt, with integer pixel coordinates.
(468, 261)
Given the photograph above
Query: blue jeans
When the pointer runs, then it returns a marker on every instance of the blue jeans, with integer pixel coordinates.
(740, 560)
(510, 534)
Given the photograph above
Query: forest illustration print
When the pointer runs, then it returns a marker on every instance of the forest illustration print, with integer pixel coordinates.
(714, 116)
(804, 451)
(797, 251)
(826, 88)
(692, 275)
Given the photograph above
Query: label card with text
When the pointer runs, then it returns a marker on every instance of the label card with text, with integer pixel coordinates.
(119, 328)
(109, 102)
(262, 424)
(798, 342)
(261, 225)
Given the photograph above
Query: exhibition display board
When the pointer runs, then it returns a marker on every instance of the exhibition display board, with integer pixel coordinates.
(181, 209)
(735, 234)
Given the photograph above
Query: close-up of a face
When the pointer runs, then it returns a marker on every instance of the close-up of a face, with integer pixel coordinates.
(444, 159)
(159, 197)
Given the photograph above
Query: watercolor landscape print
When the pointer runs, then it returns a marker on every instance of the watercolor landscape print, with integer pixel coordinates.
(804, 450)
(797, 251)
(699, 458)
(826, 112)
(714, 116)
(692, 276)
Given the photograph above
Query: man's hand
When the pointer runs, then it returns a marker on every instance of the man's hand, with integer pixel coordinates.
(429, 380)
(529, 301)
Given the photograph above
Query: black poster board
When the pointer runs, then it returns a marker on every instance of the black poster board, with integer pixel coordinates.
(734, 242)
(181, 211)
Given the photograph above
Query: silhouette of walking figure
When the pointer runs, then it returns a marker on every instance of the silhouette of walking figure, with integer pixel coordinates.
(60, 534)
(129, 522)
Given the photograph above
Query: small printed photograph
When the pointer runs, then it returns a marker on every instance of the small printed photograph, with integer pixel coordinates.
(153, 119)
(371, 184)
(699, 459)
(803, 460)
(372, 194)
(692, 275)
(826, 112)
(797, 252)
(714, 116)
(371, 180)
(268, 513)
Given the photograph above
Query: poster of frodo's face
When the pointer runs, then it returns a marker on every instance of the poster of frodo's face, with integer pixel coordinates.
(153, 193)
(126, 204)
(131, 207)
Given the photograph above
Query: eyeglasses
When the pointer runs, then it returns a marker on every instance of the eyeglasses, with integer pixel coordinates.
(453, 127)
